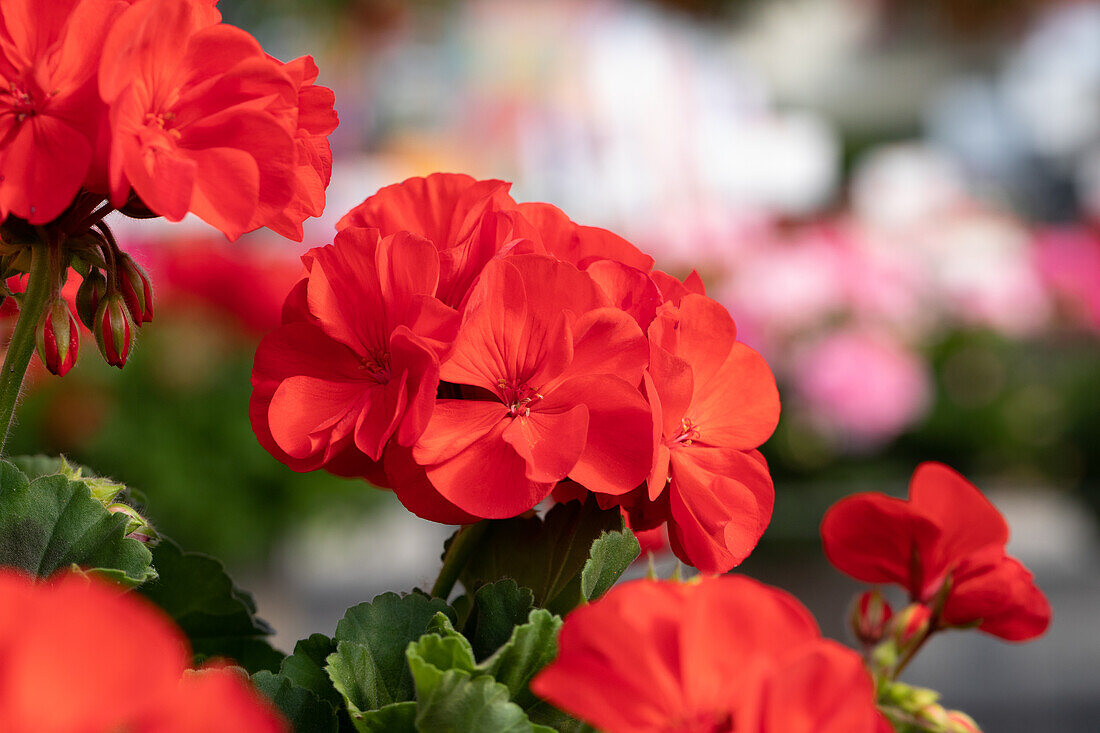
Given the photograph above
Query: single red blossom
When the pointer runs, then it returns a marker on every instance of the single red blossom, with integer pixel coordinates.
(557, 370)
(202, 119)
(718, 655)
(469, 221)
(361, 363)
(714, 401)
(50, 114)
(316, 119)
(947, 538)
(78, 655)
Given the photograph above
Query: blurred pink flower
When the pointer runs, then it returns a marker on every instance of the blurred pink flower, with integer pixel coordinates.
(1068, 261)
(862, 387)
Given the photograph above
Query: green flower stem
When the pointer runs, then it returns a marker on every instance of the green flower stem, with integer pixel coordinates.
(456, 557)
(21, 346)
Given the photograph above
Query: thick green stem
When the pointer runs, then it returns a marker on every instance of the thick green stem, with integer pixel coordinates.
(456, 557)
(21, 346)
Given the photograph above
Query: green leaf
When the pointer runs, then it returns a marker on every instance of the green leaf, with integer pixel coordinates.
(400, 717)
(461, 704)
(433, 655)
(610, 555)
(218, 617)
(369, 667)
(306, 667)
(497, 609)
(52, 523)
(306, 712)
(546, 554)
(531, 647)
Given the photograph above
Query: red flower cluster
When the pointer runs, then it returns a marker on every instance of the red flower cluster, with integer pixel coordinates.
(159, 107)
(473, 353)
(79, 656)
(718, 655)
(945, 546)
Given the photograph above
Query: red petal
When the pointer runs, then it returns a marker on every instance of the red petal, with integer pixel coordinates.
(876, 538)
(618, 450)
(1000, 592)
(550, 442)
(721, 502)
(416, 493)
(629, 289)
(471, 465)
(824, 688)
(739, 406)
(968, 520)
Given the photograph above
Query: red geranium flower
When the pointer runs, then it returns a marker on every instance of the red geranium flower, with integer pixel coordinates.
(202, 120)
(357, 359)
(50, 113)
(557, 370)
(718, 655)
(714, 401)
(79, 656)
(468, 221)
(947, 538)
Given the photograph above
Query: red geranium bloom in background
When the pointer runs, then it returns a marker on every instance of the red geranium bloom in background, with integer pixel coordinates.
(50, 113)
(79, 656)
(357, 360)
(202, 119)
(714, 401)
(468, 221)
(946, 535)
(718, 655)
(557, 370)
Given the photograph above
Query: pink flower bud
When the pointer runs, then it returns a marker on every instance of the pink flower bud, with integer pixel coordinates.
(58, 338)
(136, 289)
(113, 330)
(89, 294)
(910, 626)
(869, 617)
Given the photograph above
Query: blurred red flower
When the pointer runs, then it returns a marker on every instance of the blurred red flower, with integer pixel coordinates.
(947, 538)
(716, 655)
(77, 655)
(202, 120)
(50, 114)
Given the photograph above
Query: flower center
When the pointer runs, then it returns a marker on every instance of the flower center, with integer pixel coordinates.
(518, 397)
(162, 122)
(688, 433)
(22, 102)
(377, 366)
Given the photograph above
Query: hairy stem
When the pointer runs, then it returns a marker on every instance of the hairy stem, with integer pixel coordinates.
(21, 346)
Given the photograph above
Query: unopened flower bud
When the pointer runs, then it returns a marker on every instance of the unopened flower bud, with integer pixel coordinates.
(58, 338)
(933, 717)
(137, 526)
(960, 722)
(113, 330)
(136, 289)
(869, 617)
(910, 626)
(89, 294)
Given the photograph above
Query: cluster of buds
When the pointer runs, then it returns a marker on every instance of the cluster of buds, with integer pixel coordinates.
(114, 299)
(918, 709)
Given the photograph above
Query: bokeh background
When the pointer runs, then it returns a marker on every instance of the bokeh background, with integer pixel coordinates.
(898, 200)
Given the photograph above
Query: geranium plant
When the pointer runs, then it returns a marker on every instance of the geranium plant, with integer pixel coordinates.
(495, 365)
